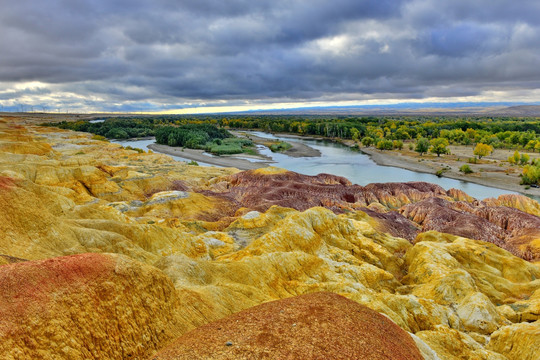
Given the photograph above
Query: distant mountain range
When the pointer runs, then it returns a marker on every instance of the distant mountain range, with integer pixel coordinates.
(520, 110)
(485, 109)
(500, 109)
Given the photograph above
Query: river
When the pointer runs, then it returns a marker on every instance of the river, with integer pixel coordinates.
(340, 160)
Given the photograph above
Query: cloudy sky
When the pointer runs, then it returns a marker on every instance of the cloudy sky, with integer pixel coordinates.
(159, 55)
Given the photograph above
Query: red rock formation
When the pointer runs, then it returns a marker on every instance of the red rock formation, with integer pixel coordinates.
(394, 223)
(427, 205)
(522, 229)
(509, 228)
(395, 195)
(519, 202)
(313, 326)
(509, 219)
(441, 215)
(258, 190)
(87, 306)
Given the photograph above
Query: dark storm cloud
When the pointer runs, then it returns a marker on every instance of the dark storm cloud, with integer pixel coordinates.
(155, 54)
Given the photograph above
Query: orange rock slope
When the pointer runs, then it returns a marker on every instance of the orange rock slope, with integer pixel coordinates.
(106, 253)
(313, 326)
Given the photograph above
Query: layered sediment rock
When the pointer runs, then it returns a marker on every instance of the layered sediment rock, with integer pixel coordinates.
(515, 227)
(509, 228)
(516, 341)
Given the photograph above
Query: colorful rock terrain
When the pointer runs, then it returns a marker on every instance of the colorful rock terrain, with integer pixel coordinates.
(106, 253)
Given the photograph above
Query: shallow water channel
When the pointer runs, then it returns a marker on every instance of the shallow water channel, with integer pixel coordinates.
(339, 160)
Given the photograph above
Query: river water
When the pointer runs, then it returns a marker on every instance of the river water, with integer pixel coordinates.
(339, 160)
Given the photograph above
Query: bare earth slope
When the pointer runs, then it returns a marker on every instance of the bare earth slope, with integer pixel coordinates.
(313, 326)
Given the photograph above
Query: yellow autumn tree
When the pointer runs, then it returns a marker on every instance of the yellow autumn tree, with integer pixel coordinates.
(482, 150)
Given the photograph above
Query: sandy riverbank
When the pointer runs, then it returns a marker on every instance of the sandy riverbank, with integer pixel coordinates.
(491, 171)
(297, 149)
(488, 172)
(238, 161)
(198, 155)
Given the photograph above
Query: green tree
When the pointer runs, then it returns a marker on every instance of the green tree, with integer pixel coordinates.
(482, 150)
(367, 141)
(422, 146)
(355, 134)
(530, 175)
(117, 133)
(385, 144)
(531, 145)
(402, 133)
(439, 146)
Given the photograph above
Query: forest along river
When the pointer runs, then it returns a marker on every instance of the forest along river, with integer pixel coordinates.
(143, 144)
(339, 160)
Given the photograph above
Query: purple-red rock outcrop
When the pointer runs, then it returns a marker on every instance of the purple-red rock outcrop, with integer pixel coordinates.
(401, 209)
(508, 228)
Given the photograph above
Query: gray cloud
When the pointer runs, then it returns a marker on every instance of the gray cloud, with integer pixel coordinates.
(162, 54)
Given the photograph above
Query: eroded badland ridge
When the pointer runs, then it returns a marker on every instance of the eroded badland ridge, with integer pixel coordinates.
(106, 253)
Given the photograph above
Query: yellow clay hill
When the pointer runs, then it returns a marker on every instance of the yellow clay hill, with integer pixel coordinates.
(106, 253)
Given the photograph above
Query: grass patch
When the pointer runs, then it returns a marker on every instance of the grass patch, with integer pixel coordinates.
(278, 146)
(100, 138)
(230, 146)
(140, 151)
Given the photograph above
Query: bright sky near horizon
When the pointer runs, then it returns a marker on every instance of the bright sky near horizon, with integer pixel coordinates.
(196, 56)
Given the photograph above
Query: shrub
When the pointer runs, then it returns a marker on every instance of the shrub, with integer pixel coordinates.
(514, 159)
(280, 146)
(229, 146)
(465, 169)
(440, 172)
(99, 137)
(140, 151)
(530, 175)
